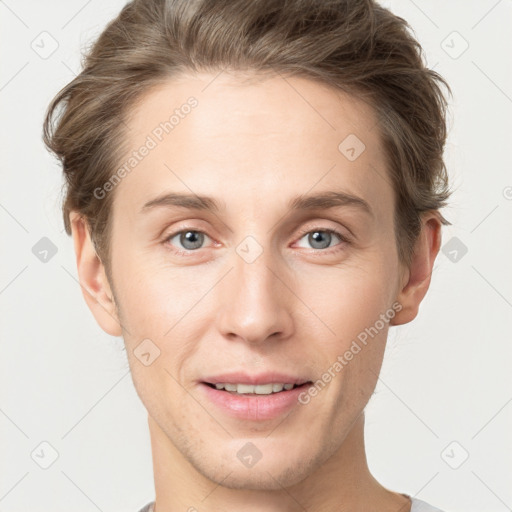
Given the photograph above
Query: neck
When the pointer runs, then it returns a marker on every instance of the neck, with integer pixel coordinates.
(340, 484)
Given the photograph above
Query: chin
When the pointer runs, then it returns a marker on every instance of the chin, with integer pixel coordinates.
(281, 468)
(262, 479)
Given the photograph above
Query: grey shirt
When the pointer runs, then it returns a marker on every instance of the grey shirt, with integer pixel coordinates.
(417, 506)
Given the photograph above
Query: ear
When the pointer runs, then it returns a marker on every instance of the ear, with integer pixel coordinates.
(416, 279)
(93, 280)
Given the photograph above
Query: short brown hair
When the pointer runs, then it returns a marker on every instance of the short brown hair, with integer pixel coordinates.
(353, 45)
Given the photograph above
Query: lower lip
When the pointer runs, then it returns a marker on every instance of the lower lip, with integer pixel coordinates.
(254, 407)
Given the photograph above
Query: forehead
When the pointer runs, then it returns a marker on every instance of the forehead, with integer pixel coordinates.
(225, 104)
(283, 136)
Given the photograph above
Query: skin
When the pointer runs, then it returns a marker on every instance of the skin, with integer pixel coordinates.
(253, 146)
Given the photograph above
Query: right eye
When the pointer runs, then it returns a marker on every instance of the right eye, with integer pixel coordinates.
(190, 240)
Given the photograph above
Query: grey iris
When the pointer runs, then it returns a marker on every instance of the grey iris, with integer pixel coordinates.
(191, 237)
(316, 238)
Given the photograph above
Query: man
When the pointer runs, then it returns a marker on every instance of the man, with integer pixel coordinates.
(254, 193)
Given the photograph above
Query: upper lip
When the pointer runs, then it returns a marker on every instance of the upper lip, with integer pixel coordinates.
(261, 378)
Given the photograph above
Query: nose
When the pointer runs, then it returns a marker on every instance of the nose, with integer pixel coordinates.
(255, 303)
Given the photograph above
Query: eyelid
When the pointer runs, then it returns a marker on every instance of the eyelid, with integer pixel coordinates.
(344, 241)
(180, 230)
(337, 232)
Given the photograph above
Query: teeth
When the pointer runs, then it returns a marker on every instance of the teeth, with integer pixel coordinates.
(260, 389)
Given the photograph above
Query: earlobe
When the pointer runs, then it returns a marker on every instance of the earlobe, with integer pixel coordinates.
(420, 270)
(92, 276)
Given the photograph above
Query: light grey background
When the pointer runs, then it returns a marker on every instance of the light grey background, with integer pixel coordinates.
(445, 390)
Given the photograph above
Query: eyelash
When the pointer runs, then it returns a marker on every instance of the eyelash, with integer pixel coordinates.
(329, 250)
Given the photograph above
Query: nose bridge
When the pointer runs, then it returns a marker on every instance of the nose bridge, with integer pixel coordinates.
(255, 303)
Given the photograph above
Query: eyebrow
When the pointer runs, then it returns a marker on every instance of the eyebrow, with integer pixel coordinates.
(326, 200)
(189, 201)
(320, 201)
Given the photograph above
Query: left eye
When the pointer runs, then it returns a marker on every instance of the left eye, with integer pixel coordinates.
(322, 238)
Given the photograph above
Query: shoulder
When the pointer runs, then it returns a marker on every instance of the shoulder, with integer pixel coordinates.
(148, 507)
(422, 506)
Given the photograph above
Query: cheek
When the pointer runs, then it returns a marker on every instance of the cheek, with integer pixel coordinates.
(348, 298)
(351, 301)
(155, 299)
(163, 317)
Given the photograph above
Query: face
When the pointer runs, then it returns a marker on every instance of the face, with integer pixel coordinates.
(254, 279)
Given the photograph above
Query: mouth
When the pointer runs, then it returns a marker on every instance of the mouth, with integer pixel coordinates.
(256, 390)
(254, 402)
(255, 397)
